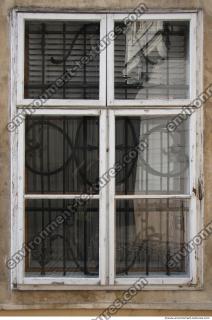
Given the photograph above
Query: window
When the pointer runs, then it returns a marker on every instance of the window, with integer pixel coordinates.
(62, 158)
(92, 209)
(50, 47)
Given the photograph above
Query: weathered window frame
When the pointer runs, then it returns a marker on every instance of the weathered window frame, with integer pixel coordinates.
(22, 196)
(166, 280)
(22, 17)
(106, 278)
(191, 17)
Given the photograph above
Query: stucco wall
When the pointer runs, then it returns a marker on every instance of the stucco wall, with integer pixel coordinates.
(201, 299)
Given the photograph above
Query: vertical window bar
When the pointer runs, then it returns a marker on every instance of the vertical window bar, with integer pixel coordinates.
(167, 41)
(147, 236)
(167, 214)
(126, 202)
(64, 58)
(26, 65)
(126, 88)
(49, 184)
(161, 187)
(182, 221)
(64, 190)
(182, 224)
(126, 77)
(84, 64)
(146, 205)
(27, 176)
(42, 191)
(43, 41)
(34, 133)
(146, 76)
(35, 181)
(167, 243)
(85, 179)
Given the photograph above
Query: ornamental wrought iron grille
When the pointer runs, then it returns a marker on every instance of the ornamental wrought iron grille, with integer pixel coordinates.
(62, 157)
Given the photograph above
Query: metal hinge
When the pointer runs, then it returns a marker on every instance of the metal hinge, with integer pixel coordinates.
(199, 191)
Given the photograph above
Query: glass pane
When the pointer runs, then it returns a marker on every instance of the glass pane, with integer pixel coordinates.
(62, 154)
(148, 233)
(152, 60)
(55, 47)
(162, 165)
(68, 248)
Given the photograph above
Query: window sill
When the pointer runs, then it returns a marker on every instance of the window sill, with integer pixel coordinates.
(153, 284)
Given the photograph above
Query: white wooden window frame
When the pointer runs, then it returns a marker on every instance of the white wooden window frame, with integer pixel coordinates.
(106, 279)
(112, 102)
(22, 17)
(19, 215)
(191, 276)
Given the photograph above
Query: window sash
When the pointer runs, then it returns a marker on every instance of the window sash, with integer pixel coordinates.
(111, 18)
(21, 101)
(104, 237)
(112, 102)
(101, 279)
(192, 219)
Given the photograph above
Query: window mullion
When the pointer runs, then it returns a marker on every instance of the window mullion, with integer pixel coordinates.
(21, 203)
(111, 204)
(103, 198)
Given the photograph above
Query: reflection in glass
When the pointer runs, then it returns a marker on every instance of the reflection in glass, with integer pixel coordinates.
(148, 233)
(162, 167)
(152, 60)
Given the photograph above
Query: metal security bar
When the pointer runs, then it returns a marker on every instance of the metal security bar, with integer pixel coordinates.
(62, 156)
(56, 154)
(72, 248)
(51, 49)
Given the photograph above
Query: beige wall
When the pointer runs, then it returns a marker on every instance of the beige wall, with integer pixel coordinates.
(183, 300)
(92, 313)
